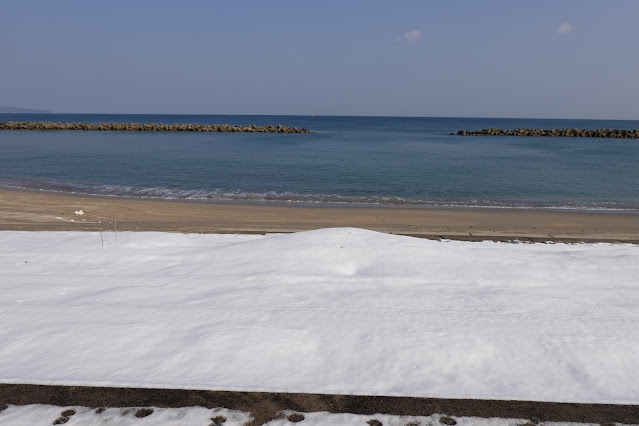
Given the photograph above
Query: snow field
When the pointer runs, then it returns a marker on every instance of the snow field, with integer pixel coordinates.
(338, 310)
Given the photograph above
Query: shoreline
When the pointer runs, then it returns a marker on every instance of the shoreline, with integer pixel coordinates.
(332, 204)
(31, 210)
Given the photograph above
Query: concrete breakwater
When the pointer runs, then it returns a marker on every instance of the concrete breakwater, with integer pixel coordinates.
(149, 127)
(583, 133)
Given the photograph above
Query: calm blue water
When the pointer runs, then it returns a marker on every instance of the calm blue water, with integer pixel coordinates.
(384, 160)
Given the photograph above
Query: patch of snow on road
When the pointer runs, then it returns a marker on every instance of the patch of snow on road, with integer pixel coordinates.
(46, 415)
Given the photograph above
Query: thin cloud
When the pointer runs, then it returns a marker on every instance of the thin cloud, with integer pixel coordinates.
(565, 28)
(410, 37)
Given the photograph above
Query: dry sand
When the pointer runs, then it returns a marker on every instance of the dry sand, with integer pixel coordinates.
(40, 211)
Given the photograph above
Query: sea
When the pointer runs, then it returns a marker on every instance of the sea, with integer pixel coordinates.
(351, 161)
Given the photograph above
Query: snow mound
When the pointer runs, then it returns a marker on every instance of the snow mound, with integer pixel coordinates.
(329, 311)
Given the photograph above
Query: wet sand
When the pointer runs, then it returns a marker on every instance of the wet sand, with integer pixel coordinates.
(40, 211)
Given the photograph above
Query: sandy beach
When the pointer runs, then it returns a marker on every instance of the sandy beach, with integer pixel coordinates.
(39, 211)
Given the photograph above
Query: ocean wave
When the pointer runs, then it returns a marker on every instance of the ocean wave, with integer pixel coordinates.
(230, 195)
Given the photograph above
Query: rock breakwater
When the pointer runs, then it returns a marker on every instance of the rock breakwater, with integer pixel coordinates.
(577, 133)
(148, 127)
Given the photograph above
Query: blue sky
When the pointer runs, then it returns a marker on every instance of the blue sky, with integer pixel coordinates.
(542, 58)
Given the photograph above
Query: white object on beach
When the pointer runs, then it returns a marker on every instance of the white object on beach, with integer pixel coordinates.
(79, 212)
(382, 315)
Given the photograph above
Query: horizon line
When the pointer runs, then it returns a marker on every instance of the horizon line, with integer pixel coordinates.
(45, 112)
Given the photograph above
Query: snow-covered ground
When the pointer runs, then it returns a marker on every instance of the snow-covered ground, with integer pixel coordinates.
(329, 311)
(45, 415)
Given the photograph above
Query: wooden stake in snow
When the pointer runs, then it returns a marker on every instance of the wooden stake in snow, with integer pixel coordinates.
(101, 239)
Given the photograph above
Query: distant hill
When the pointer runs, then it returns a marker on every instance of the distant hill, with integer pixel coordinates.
(8, 109)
